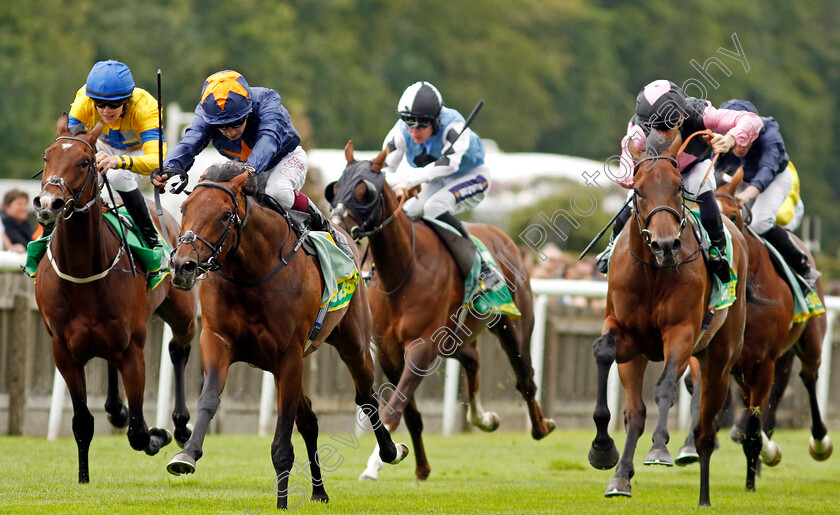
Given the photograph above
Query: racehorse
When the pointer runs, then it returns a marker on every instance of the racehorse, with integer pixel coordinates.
(657, 299)
(259, 300)
(770, 333)
(417, 304)
(94, 305)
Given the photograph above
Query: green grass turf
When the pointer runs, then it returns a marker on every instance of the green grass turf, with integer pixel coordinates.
(471, 473)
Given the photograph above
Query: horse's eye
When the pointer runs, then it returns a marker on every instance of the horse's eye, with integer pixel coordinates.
(226, 216)
(86, 163)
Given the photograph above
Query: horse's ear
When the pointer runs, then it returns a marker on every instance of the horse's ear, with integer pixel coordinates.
(93, 135)
(379, 161)
(674, 149)
(329, 192)
(736, 180)
(61, 124)
(240, 180)
(348, 152)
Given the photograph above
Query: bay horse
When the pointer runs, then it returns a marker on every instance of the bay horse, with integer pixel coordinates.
(259, 300)
(417, 305)
(94, 306)
(770, 334)
(657, 299)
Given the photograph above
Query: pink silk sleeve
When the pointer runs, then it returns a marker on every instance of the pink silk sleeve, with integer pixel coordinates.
(742, 125)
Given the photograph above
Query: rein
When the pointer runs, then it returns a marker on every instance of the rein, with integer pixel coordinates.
(359, 234)
(407, 272)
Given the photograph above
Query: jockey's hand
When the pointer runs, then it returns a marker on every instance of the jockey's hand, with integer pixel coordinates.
(405, 190)
(105, 162)
(722, 143)
(748, 194)
(159, 178)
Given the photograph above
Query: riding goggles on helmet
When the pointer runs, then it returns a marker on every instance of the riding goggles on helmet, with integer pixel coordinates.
(112, 105)
(416, 122)
(232, 125)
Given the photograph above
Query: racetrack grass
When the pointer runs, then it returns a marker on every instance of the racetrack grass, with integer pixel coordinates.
(471, 473)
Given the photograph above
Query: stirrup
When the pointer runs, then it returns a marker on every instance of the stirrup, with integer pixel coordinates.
(810, 277)
(719, 265)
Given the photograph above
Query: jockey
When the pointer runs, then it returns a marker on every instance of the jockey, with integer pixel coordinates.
(454, 177)
(250, 125)
(663, 112)
(129, 142)
(767, 182)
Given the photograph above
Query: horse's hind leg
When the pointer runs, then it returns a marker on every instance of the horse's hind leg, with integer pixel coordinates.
(809, 350)
(485, 420)
(307, 424)
(133, 370)
(117, 411)
(288, 381)
(178, 311)
(74, 376)
(515, 337)
(632, 376)
(759, 390)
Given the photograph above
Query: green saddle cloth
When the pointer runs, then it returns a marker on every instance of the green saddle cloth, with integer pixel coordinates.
(340, 274)
(806, 303)
(723, 295)
(477, 295)
(149, 258)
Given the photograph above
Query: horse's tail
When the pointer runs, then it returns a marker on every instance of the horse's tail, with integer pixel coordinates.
(753, 298)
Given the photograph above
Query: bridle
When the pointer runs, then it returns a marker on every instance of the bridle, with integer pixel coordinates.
(54, 180)
(643, 224)
(235, 223)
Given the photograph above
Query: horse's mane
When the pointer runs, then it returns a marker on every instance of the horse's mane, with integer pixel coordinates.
(225, 172)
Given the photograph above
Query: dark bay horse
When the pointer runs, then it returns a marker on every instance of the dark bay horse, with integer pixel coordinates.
(94, 306)
(259, 300)
(657, 298)
(770, 334)
(417, 305)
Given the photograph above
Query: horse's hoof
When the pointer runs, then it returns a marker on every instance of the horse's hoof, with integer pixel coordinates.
(736, 434)
(320, 497)
(687, 456)
(119, 420)
(160, 438)
(821, 450)
(368, 476)
(402, 453)
(547, 426)
(182, 434)
(659, 456)
(489, 422)
(182, 463)
(771, 453)
(619, 487)
(603, 460)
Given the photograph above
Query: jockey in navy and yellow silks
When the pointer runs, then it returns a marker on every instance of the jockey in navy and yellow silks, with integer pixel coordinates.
(130, 136)
(251, 126)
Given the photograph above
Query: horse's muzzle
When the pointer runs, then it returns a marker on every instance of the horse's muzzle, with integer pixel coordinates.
(183, 273)
(48, 208)
(666, 251)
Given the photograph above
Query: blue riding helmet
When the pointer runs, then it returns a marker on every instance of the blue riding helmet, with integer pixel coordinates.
(225, 98)
(109, 81)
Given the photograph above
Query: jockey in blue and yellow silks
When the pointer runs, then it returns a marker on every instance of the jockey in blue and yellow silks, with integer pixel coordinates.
(130, 135)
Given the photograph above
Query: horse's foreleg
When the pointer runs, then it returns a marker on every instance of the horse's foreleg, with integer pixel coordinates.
(133, 370)
(758, 394)
(215, 374)
(632, 376)
(114, 407)
(714, 386)
(677, 345)
(603, 454)
(467, 355)
(415, 429)
(307, 424)
(688, 452)
(288, 379)
(515, 336)
(179, 354)
(781, 378)
(74, 377)
(809, 350)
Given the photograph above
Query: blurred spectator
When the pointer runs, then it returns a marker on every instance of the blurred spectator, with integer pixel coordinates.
(553, 266)
(17, 232)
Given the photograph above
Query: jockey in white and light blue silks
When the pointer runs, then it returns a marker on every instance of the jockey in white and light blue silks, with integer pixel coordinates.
(450, 168)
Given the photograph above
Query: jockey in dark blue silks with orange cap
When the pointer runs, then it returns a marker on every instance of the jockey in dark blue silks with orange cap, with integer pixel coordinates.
(129, 142)
(767, 182)
(662, 109)
(250, 125)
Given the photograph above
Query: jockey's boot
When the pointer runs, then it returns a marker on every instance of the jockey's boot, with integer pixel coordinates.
(139, 212)
(465, 259)
(602, 260)
(717, 248)
(318, 222)
(798, 260)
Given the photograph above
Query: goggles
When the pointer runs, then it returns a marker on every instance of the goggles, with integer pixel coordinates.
(232, 125)
(416, 122)
(110, 105)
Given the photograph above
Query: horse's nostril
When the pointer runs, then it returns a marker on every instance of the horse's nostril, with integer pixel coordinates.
(58, 204)
(189, 267)
(654, 246)
(36, 202)
(677, 246)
